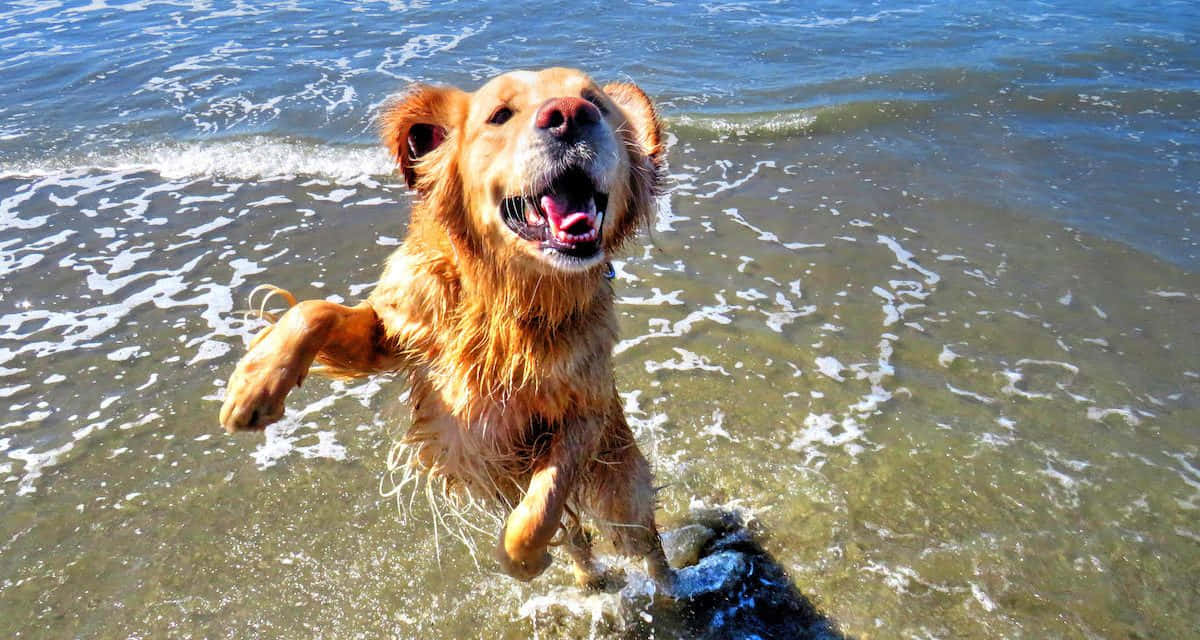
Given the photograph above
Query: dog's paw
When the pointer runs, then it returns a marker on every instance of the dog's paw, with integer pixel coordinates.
(597, 578)
(523, 567)
(260, 383)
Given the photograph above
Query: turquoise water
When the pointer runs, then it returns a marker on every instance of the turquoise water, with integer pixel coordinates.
(920, 302)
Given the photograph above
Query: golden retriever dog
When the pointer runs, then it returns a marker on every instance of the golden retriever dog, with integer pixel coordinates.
(498, 310)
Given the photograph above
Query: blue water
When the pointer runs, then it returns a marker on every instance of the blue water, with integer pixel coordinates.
(1084, 110)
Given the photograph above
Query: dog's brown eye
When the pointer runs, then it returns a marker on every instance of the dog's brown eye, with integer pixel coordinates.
(500, 116)
(595, 99)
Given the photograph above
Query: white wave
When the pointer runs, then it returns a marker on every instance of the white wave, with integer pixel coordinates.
(664, 217)
(1168, 294)
(983, 598)
(604, 609)
(978, 397)
(824, 429)
(793, 122)
(662, 328)
(721, 186)
(717, 426)
(397, 60)
(830, 367)
(821, 22)
(764, 235)
(283, 437)
(688, 361)
(657, 299)
(245, 158)
(905, 257)
(947, 356)
(1097, 414)
(1011, 389)
(1048, 363)
(36, 463)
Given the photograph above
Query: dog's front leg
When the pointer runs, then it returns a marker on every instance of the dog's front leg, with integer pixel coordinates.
(279, 358)
(532, 525)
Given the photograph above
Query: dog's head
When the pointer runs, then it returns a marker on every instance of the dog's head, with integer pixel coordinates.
(541, 171)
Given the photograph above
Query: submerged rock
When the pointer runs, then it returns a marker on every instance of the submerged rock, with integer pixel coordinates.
(683, 545)
(736, 590)
(729, 588)
(716, 573)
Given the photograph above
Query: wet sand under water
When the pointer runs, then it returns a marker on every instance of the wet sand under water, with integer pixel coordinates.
(947, 416)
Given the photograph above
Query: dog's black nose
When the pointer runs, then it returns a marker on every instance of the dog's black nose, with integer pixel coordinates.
(565, 117)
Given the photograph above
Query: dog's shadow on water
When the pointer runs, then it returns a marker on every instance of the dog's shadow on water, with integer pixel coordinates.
(728, 588)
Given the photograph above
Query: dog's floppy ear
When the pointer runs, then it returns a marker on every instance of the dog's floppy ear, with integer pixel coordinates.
(418, 122)
(642, 116)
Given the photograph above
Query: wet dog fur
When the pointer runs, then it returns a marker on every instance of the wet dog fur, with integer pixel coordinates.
(497, 309)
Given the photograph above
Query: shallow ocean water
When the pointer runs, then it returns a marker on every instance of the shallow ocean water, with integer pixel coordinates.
(920, 301)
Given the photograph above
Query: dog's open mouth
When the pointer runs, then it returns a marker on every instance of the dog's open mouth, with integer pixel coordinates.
(567, 218)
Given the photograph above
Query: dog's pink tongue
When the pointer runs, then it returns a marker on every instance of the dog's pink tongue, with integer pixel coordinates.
(559, 213)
